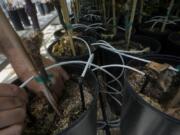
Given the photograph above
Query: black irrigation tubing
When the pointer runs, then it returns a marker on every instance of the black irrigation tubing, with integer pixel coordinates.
(107, 129)
(80, 83)
(112, 124)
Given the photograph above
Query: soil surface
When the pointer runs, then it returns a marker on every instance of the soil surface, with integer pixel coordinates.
(62, 48)
(134, 46)
(122, 45)
(158, 89)
(42, 120)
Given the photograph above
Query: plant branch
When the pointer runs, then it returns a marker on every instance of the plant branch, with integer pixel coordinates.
(167, 17)
(130, 24)
(65, 12)
(114, 17)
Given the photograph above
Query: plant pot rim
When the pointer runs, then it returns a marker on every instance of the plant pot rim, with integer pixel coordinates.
(134, 37)
(145, 28)
(66, 58)
(170, 38)
(141, 101)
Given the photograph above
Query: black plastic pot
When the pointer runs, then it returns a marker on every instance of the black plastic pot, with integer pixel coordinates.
(23, 16)
(86, 124)
(145, 41)
(139, 117)
(15, 19)
(59, 33)
(174, 44)
(160, 36)
(105, 57)
(83, 57)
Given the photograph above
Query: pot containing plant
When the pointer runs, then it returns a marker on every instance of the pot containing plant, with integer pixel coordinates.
(159, 27)
(128, 43)
(174, 43)
(105, 57)
(155, 32)
(77, 116)
(60, 50)
(151, 99)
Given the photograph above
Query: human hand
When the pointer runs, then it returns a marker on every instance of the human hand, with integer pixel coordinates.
(12, 109)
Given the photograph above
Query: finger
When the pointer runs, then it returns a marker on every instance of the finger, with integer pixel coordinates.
(12, 130)
(12, 117)
(22, 95)
(10, 103)
(64, 74)
(7, 90)
(58, 86)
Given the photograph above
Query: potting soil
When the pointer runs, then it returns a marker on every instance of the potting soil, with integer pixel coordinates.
(42, 120)
(62, 48)
(157, 89)
(134, 46)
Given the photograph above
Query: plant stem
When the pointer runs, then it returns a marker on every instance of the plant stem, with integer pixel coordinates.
(168, 14)
(58, 8)
(76, 10)
(114, 17)
(65, 12)
(104, 11)
(129, 26)
(141, 11)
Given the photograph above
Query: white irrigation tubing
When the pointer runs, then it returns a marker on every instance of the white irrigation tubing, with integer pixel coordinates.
(176, 20)
(121, 28)
(158, 17)
(78, 38)
(162, 17)
(134, 52)
(154, 24)
(122, 51)
(136, 58)
(26, 82)
(95, 24)
(89, 62)
(160, 21)
(97, 67)
(94, 10)
(79, 24)
(84, 62)
(116, 92)
(121, 66)
(113, 123)
(72, 62)
(108, 45)
(91, 15)
(109, 20)
(115, 99)
(97, 27)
